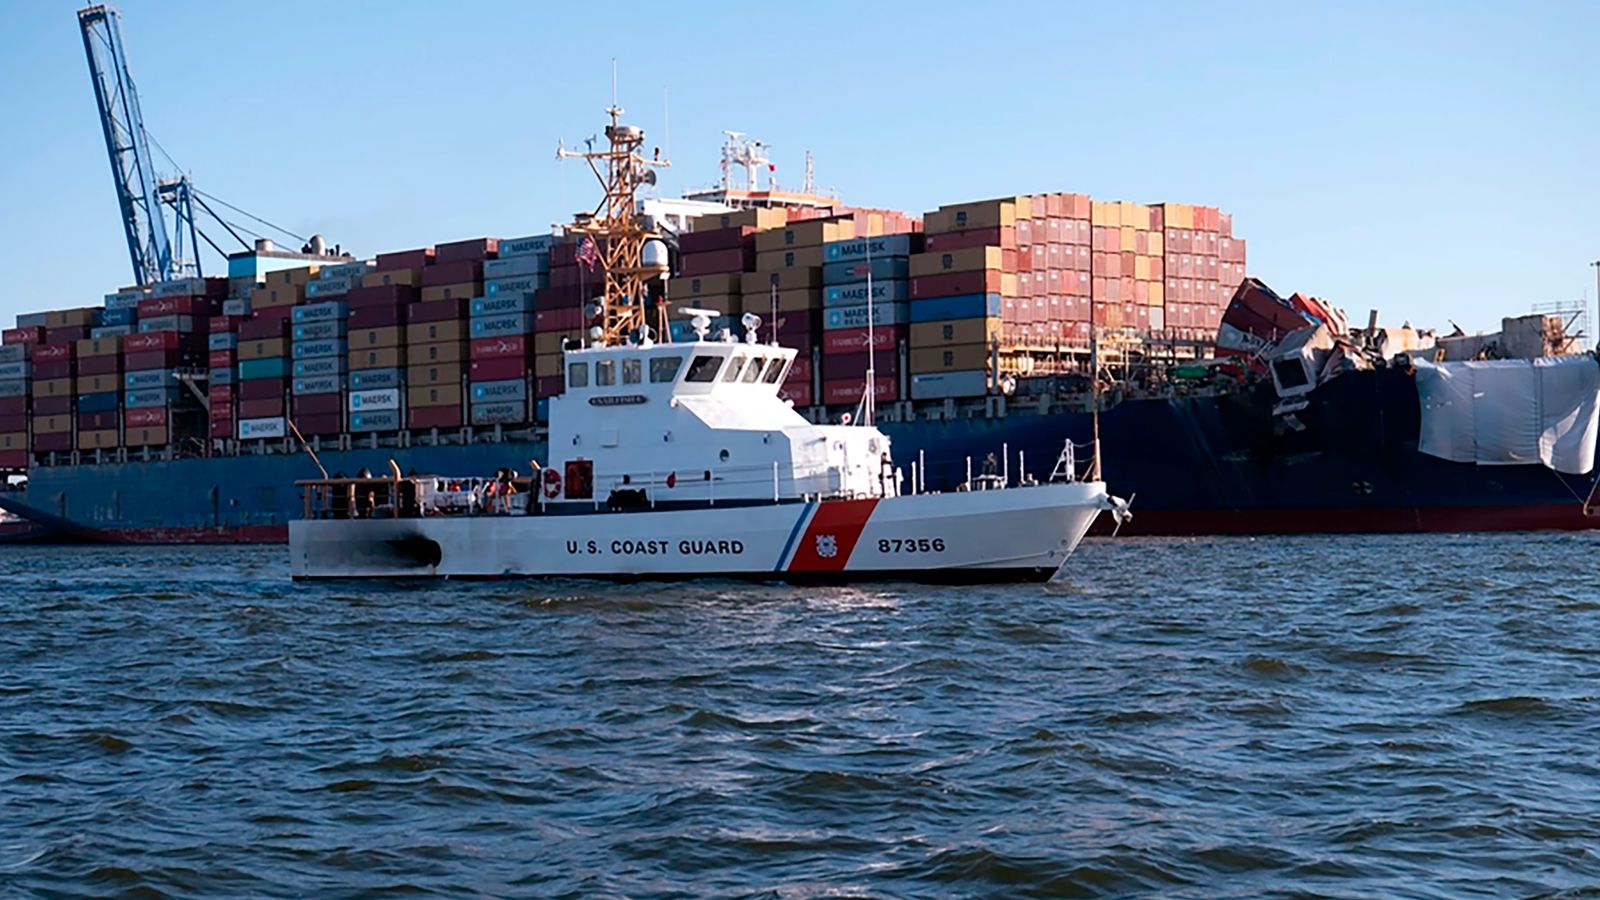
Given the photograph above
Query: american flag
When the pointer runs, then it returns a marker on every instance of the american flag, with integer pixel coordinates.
(588, 253)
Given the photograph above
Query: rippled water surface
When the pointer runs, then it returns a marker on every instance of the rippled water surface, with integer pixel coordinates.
(1346, 716)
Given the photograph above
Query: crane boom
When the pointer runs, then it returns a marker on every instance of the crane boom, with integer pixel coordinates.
(139, 193)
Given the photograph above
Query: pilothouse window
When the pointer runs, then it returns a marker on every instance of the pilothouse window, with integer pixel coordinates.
(704, 369)
(775, 371)
(578, 375)
(665, 368)
(605, 372)
(632, 371)
(733, 369)
(753, 373)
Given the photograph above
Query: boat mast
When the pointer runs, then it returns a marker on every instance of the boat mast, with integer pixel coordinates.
(618, 230)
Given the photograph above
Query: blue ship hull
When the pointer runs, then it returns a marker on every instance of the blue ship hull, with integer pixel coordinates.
(1201, 465)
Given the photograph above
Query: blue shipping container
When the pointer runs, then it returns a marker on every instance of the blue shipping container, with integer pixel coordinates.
(942, 385)
(147, 378)
(318, 312)
(963, 306)
(509, 323)
(268, 367)
(856, 316)
(320, 331)
(523, 246)
(222, 376)
(525, 284)
(518, 302)
(886, 268)
(314, 349)
(326, 365)
(124, 316)
(500, 391)
(509, 267)
(857, 248)
(222, 340)
(378, 420)
(320, 384)
(105, 331)
(856, 293)
(375, 379)
(150, 397)
(103, 402)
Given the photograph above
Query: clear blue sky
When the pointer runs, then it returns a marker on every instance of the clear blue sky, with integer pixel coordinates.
(1433, 159)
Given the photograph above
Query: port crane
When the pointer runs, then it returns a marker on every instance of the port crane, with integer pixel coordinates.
(157, 252)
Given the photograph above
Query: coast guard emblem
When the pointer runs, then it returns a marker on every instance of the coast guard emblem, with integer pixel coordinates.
(827, 547)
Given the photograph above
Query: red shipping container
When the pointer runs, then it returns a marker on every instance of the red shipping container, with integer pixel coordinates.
(266, 407)
(548, 386)
(801, 367)
(219, 359)
(260, 389)
(222, 428)
(563, 254)
(52, 406)
(438, 416)
(565, 319)
(511, 345)
(14, 423)
(225, 324)
(33, 335)
(54, 352)
(145, 418)
(854, 340)
(257, 328)
(58, 443)
(12, 406)
(14, 459)
(1004, 237)
(321, 424)
(377, 317)
(158, 359)
(221, 412)
(796, 391)
(475, 250)
(99, 365)
(502, 369)
(1024, 229)
(854, 365)
(716, 239)
(849, 390)
(76, 333)
(220, 392)
(276, 313)
(153, 340)
(439, 311)
(380, 295)
(954, 284)
(318, 405)
(738, 259)
(404, 259)
(173, 306)
(58, 368)
(457, 272)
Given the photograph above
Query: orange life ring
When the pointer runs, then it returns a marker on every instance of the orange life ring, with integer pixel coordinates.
(552, 483)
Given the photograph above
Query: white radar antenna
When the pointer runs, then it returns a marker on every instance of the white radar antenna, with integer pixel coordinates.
(750, 155)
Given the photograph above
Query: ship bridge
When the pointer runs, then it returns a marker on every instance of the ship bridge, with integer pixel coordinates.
(699, 422)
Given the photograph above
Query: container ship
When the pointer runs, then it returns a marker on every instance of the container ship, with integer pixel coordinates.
(183, 408)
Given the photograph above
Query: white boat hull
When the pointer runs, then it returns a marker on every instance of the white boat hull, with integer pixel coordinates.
(1014, 534)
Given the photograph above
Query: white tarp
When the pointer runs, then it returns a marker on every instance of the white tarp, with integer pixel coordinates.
(1511, 412)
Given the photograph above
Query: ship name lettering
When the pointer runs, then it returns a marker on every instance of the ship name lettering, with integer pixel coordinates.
(631, 548)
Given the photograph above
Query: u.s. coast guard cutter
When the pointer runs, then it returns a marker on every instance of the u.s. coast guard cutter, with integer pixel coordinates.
(679, 459)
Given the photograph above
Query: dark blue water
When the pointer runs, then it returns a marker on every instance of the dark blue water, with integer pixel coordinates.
(1345, 716)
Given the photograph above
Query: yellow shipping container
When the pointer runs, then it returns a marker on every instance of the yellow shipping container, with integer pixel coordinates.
(434, 374)
(969, 259)
(434, 332)
(53, 387)
(794, 301)
(106, 346)
(68, 318)
(788, 279)
(702, 285)
(99, 384)
(434, 395)
(1141, 268)
(796, 258)
(954, 358)
(811, 233)
(1177, 215)
(378, 358)
(955, 331)
(441, 352)
(547, 365)
(978, 214)
(464, 290)
(1008, 284)
(1135, 215)
(16, 440)
(266, 348)
(759, 218)
(102, 439)
(1107, 214)
(411, 277)
(152, 436)
(52, 424)
(375, 338)
(274, 295)
(1156, 243)
(1158, 294)
(1128, 239)
(292, 277)
(548, 343)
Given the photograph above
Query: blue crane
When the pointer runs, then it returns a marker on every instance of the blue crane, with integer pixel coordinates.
(155, 255)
